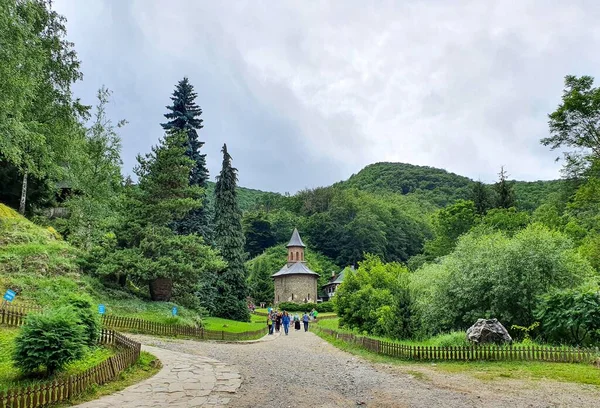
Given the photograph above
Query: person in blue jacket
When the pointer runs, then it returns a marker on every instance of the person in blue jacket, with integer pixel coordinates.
(305, 319)
(285, 320)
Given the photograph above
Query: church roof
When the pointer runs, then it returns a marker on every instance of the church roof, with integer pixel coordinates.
(296, 241)
(339, 278)
(296, 268)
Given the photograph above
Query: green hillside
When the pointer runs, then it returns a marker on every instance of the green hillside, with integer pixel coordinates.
(435, 185)
(44, 269)
(247, 198)
(438, 186)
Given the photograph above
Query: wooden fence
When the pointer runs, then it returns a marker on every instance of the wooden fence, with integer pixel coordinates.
(145, 326)
(468, 353)
(15, 316)
(63, 389)
(12, 315)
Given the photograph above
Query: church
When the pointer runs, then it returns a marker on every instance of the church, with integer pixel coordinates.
(295, 282)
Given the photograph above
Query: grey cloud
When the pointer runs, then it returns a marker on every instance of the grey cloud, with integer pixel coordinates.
(324, 88)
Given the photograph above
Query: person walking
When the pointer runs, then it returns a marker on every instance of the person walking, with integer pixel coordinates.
(270, 323)
(285, 320)
(296, 322)
(277, 322)
(305, 320)
(315, 314)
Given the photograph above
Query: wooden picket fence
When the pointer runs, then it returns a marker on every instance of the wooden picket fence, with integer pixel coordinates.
(147, 327)
(13, 315)
(63, 389)
(468, 353)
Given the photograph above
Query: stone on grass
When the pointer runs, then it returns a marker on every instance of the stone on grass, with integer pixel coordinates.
(488, 331)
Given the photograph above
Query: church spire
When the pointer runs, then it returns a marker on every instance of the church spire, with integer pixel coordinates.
(295, 248)
(296, 241)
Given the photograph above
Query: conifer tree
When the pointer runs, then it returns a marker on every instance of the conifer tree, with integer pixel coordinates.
(505, 191)
(229, 237)
(481, 197)
(184, 115)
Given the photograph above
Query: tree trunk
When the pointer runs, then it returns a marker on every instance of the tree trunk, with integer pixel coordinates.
(23, 193)
(160, 289)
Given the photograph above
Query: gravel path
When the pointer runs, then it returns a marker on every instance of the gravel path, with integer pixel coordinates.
(302, 370)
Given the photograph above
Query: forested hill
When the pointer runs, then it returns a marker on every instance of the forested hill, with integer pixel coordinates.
(248, 198)
(438, 186)
(435, 185)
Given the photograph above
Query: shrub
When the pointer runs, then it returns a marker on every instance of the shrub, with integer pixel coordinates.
(452, 339)
(376, 299)
(572, 315)
(296, 307)
(83, 306)
(493, 275)
(48, 341)
(326, 307)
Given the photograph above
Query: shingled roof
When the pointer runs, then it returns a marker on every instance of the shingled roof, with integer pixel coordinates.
(296, 241)
(297, 268)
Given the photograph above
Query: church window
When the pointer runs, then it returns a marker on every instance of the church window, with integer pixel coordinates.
(292, 296)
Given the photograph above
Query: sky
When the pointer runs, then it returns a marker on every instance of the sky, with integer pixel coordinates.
(306, 93)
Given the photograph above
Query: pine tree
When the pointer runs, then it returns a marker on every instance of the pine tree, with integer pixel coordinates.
(504, 190)
(481, 197)
(261, 282)
(184, 115)
(229, 237)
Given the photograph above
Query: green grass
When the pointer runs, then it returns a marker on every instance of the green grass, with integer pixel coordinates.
(11, 377)
(217, 323)
(483, 370)
(146, 367)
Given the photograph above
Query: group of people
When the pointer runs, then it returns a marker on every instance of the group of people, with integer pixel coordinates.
(276, 319)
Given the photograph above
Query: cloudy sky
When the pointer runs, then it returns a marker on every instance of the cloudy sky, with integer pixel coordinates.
(305, 93)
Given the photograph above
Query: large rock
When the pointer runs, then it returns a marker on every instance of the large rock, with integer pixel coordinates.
(488, 331)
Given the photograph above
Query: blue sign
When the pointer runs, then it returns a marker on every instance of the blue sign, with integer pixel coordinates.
(101, 309)
(9, 295)
(174, 310)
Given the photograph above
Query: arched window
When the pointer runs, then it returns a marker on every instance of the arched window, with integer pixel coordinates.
(297, 257)
(309, 296)
(292, 296)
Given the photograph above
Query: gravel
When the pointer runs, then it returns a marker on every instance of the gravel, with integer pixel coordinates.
(302, 370)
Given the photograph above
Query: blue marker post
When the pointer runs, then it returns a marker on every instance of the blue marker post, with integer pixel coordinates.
(174, 311)
(8, 297)
(101, 309)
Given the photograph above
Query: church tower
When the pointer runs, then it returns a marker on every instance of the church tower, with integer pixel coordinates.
(295, 282)
(295, 248)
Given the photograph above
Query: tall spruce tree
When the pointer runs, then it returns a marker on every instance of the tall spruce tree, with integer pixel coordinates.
(184, 115)
(480, 195)
(229, 237)
(504, 191)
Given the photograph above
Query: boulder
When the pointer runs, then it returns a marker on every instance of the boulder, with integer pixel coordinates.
(488, 331)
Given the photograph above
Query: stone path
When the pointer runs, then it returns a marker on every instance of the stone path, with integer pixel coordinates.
(185, 380)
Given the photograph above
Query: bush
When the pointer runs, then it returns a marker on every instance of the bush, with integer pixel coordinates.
(495, 275)
(83, 306)
(375, 299)
(48, 341)
(571, 315)
(296, 307)
(326, 307)
(452, 339)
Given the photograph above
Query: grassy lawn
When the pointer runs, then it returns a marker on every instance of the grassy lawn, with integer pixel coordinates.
(146, 367)
(11, 377)
(216, 323)
(483, 370)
